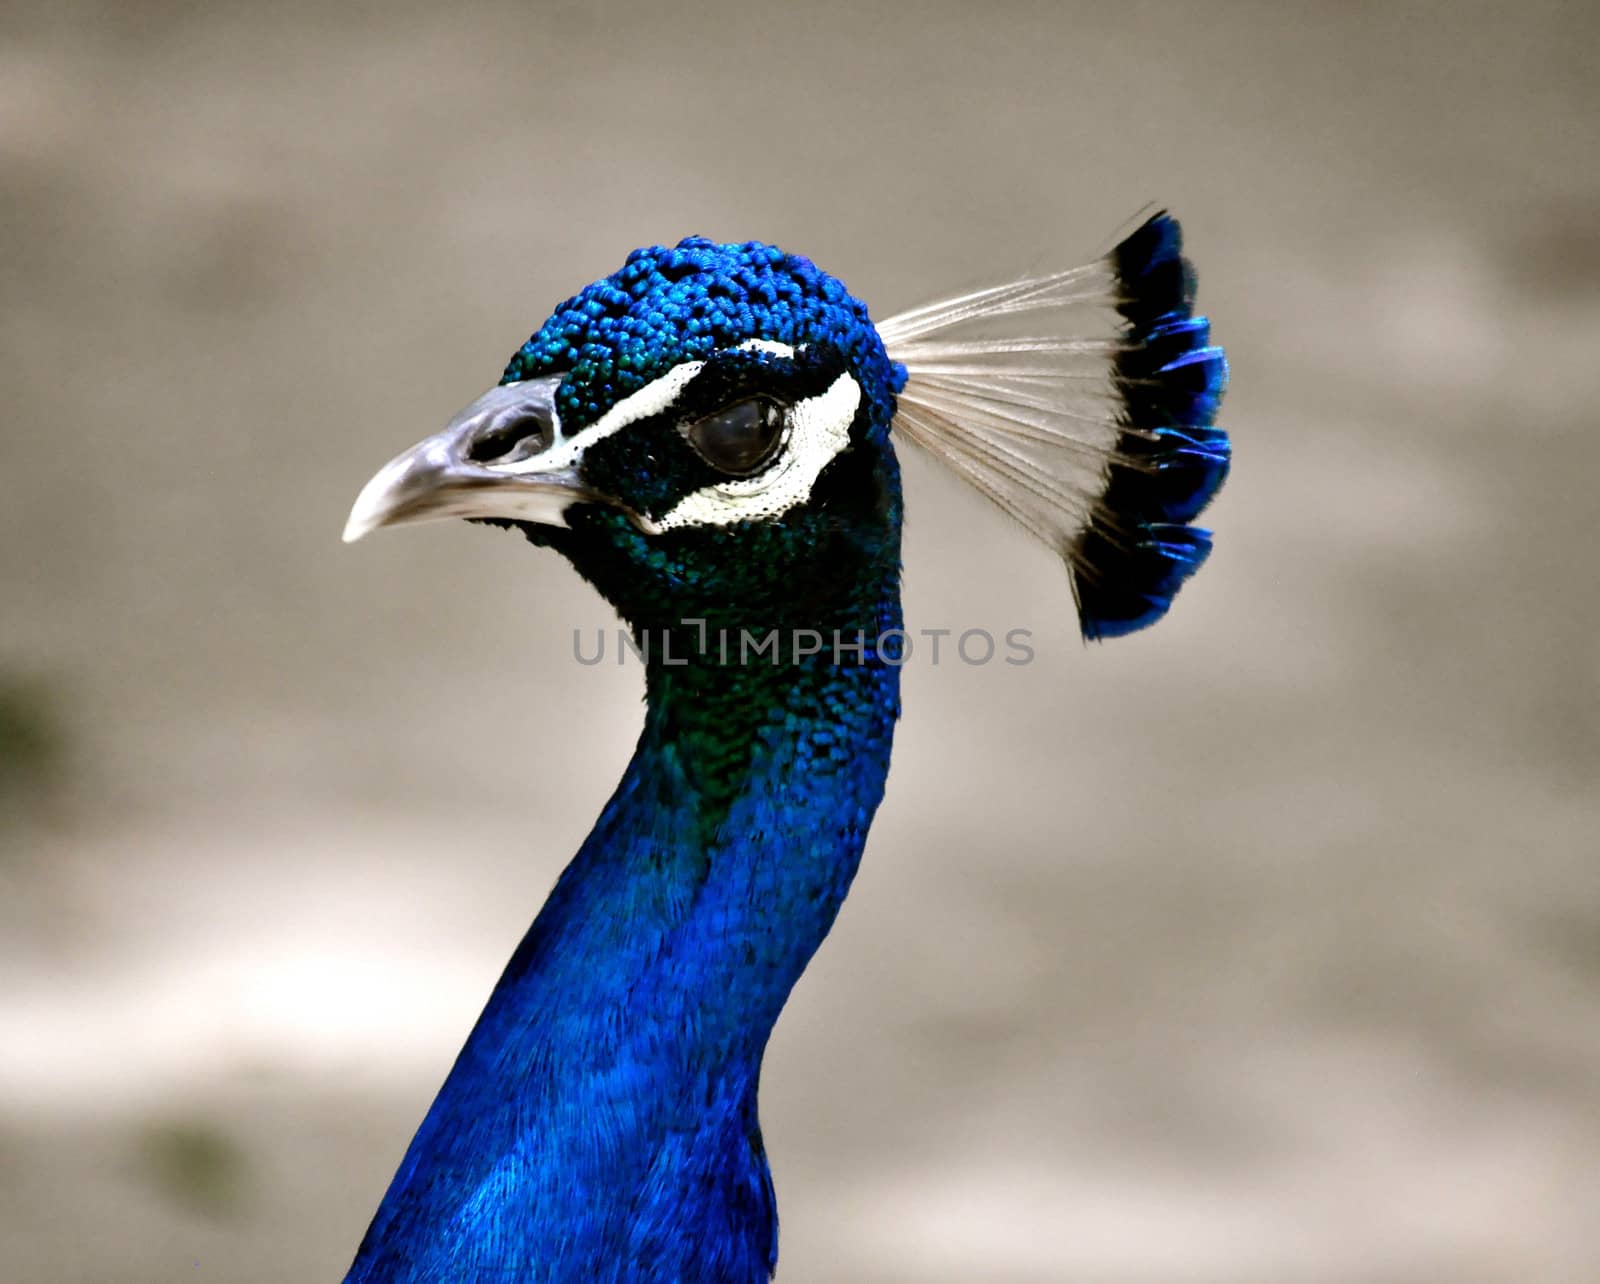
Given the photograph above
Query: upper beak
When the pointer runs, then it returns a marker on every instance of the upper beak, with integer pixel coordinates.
(500, 457)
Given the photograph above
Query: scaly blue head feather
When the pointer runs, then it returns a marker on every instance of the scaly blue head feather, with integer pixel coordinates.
(763, 324)
(664, 306)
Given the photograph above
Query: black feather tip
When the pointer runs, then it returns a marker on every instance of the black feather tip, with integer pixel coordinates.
(1138, 547)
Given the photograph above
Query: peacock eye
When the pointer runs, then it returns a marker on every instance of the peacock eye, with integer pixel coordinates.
(740, 438)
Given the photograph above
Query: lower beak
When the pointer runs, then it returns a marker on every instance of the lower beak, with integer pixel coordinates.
(499, 457)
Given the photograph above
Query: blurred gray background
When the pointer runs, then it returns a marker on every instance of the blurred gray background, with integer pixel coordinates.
(1263, 947)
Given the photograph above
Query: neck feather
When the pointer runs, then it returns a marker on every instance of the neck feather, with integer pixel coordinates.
(601, 1118)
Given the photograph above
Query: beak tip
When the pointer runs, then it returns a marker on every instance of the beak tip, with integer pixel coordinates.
(359, 523)
(351, 533)
(379, 501)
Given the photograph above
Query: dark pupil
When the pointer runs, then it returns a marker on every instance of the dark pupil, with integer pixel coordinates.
(739, 438)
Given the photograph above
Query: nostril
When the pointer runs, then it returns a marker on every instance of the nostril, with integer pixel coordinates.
(509, 440)
(509, 424)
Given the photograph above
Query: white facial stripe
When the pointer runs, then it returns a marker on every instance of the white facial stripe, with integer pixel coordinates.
(651, 399)
(819, 428)
(771, 346)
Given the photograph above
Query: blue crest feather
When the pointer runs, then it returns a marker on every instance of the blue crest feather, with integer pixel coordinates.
(1094, 427)
(1170, 459)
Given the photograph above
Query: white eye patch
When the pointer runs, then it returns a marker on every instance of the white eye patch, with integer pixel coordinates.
(656, 396)
(819, 428)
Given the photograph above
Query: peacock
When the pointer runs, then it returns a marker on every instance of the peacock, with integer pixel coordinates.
(708, 436)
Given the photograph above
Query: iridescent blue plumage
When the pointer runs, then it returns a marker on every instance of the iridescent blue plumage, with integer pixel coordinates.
(600, 1124)
(706, 436)
(668, 305)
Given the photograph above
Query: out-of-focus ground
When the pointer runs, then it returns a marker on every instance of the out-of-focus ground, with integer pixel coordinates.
(1264, 947)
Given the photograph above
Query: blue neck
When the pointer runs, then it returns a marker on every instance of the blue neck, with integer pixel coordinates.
(600, 1124)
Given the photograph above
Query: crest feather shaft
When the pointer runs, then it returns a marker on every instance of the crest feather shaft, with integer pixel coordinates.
(1082, 404)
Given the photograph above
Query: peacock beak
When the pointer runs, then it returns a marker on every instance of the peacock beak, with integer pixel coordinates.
(500, 457)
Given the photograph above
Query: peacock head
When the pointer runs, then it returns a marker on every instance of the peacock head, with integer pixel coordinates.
(704, 433)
